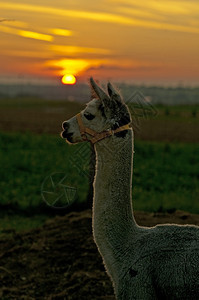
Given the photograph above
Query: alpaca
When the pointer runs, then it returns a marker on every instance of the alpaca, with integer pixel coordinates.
(160, 262)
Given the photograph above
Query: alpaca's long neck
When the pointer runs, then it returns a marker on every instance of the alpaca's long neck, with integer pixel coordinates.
(113, 220)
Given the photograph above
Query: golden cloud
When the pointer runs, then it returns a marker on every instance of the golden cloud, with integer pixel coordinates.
(71, 66)
(26, 33)
(114, 18)
(35, 35)
(168, 7)
(61, 32)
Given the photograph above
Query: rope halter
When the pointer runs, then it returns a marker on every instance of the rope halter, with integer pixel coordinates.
(97, 136)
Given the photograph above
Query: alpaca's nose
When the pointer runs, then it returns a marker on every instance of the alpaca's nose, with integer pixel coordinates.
(65, 125)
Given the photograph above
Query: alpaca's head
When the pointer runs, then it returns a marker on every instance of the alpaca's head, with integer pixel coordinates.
(106, 111)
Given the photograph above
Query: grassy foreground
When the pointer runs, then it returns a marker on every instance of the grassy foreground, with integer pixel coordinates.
(165, 177)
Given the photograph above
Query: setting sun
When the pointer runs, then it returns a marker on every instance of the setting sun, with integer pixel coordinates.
(68, 79)
(38, 43)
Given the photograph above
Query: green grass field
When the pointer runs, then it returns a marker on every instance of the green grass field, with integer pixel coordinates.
(165, 174)
(166, 161)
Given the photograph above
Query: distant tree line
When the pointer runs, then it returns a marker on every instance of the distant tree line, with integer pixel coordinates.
(164, 95)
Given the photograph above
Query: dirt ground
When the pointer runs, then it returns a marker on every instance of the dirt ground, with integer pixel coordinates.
(60, 259)
(48, 120)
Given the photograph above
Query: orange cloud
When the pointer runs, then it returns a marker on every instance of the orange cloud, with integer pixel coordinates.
(7, 29)
(77, 50)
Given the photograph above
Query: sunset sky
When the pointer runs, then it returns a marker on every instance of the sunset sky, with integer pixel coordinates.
(121, 40)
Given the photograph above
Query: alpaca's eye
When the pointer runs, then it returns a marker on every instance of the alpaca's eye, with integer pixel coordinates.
(89, 116)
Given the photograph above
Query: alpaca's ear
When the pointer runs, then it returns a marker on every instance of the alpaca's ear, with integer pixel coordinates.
(113, 93)
(100, 92)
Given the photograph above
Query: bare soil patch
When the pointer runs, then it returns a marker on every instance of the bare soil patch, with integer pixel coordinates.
(60, 259)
